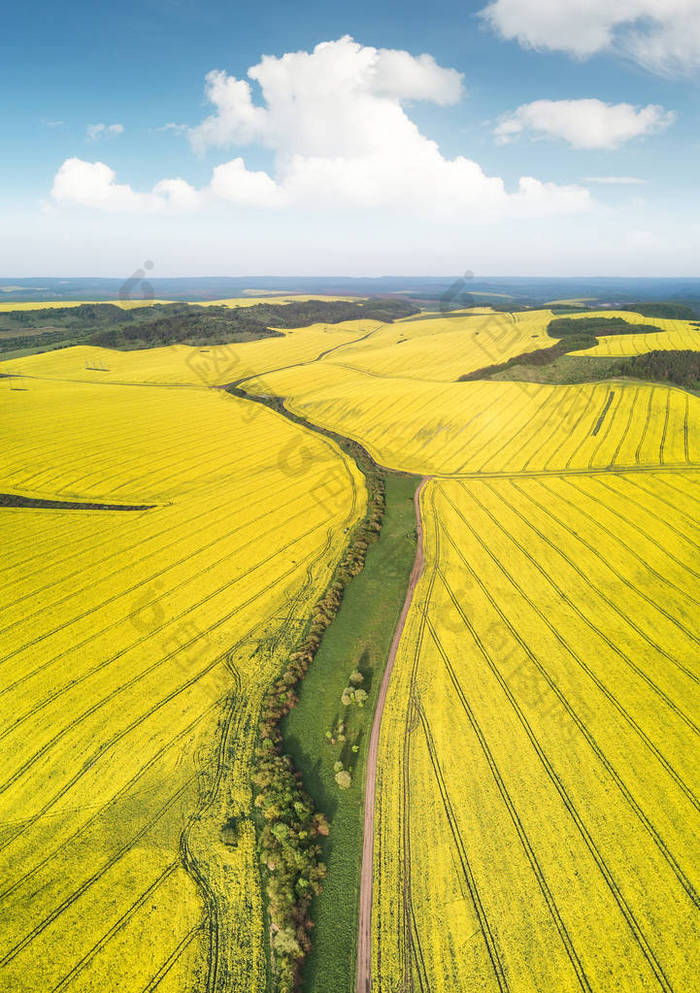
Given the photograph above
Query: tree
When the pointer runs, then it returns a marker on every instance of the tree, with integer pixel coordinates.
(285, 943)
(343, 779)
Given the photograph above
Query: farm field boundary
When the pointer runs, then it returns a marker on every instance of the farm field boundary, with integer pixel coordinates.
(543, 690)
(366, 620)
(359, 638)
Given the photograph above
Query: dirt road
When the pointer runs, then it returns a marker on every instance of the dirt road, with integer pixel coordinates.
(364, 943)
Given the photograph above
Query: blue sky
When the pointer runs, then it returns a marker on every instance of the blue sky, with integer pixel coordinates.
(433, 188)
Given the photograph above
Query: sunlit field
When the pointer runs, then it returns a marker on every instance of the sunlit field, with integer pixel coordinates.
(136, 649)
(536, 798)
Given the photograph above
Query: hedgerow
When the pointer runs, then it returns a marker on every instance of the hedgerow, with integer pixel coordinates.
(289, 829)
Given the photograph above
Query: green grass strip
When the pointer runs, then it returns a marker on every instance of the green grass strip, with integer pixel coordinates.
(358, 638)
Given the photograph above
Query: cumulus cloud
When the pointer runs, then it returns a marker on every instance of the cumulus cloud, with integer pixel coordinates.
(92, 184)
(233, 182)
(584, 123)
(662, 35)
(335, 120)
(339, 98)
(95, 131)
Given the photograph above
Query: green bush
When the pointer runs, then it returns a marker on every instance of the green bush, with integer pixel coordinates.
(288, 827)
(343, 779)
(560, 327)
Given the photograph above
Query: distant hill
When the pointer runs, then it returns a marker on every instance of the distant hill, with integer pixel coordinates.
(608, 291)
(110, 326)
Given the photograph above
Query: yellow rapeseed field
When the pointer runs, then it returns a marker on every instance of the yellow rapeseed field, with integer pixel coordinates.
(246, 301)
(682, 336)
(438, 428)
(7, 305)
(136, 647)
(213, 365)
(674, 334)
(442, 347)
(537, 793)
(256, 296)
(537, 796)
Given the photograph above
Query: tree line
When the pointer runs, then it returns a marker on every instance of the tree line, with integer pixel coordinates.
(289, 830)
(560, 327)
(110, 326)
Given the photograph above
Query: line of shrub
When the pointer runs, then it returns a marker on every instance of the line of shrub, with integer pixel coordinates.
(540, 356)
(36, 503)
(562, 326)
(681, 366)
(678, 366)
(669, 309)
(31, 341)
(289, 828)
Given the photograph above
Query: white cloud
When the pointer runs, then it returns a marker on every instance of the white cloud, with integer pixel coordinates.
(662, 35)
(341, 97)
(615, 180)
(584, 123)
(233, 182)
(173, 127)
(92, 184)
(95, 131)
(236, 121)
(173, 194)
(336, 123)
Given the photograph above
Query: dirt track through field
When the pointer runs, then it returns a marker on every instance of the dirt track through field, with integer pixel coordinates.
(364, 943)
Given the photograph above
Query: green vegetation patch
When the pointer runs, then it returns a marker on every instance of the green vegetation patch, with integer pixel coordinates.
(669, 310)
(35, 503)
(679, 368)
(356, 644)
(538, 357)
(110, 326)
(356, 617)
(561, 327)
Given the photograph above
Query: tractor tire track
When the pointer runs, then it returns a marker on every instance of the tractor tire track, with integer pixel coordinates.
(590, 739)
(103, 701)
(598, 858)
(512, 811)
(678, 711)
(76, 894)
(364, 947)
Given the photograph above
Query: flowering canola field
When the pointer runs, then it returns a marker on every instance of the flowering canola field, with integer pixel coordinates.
(185, 365)
(537, 796)
(441, 347)
(683, 336)
(7, 305)
(136, 647)
(537, 800)
(674, 334)
(438, 428)
(246, 301)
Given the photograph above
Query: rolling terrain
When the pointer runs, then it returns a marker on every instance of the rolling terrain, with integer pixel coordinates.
(136, 650)
(536, 798)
